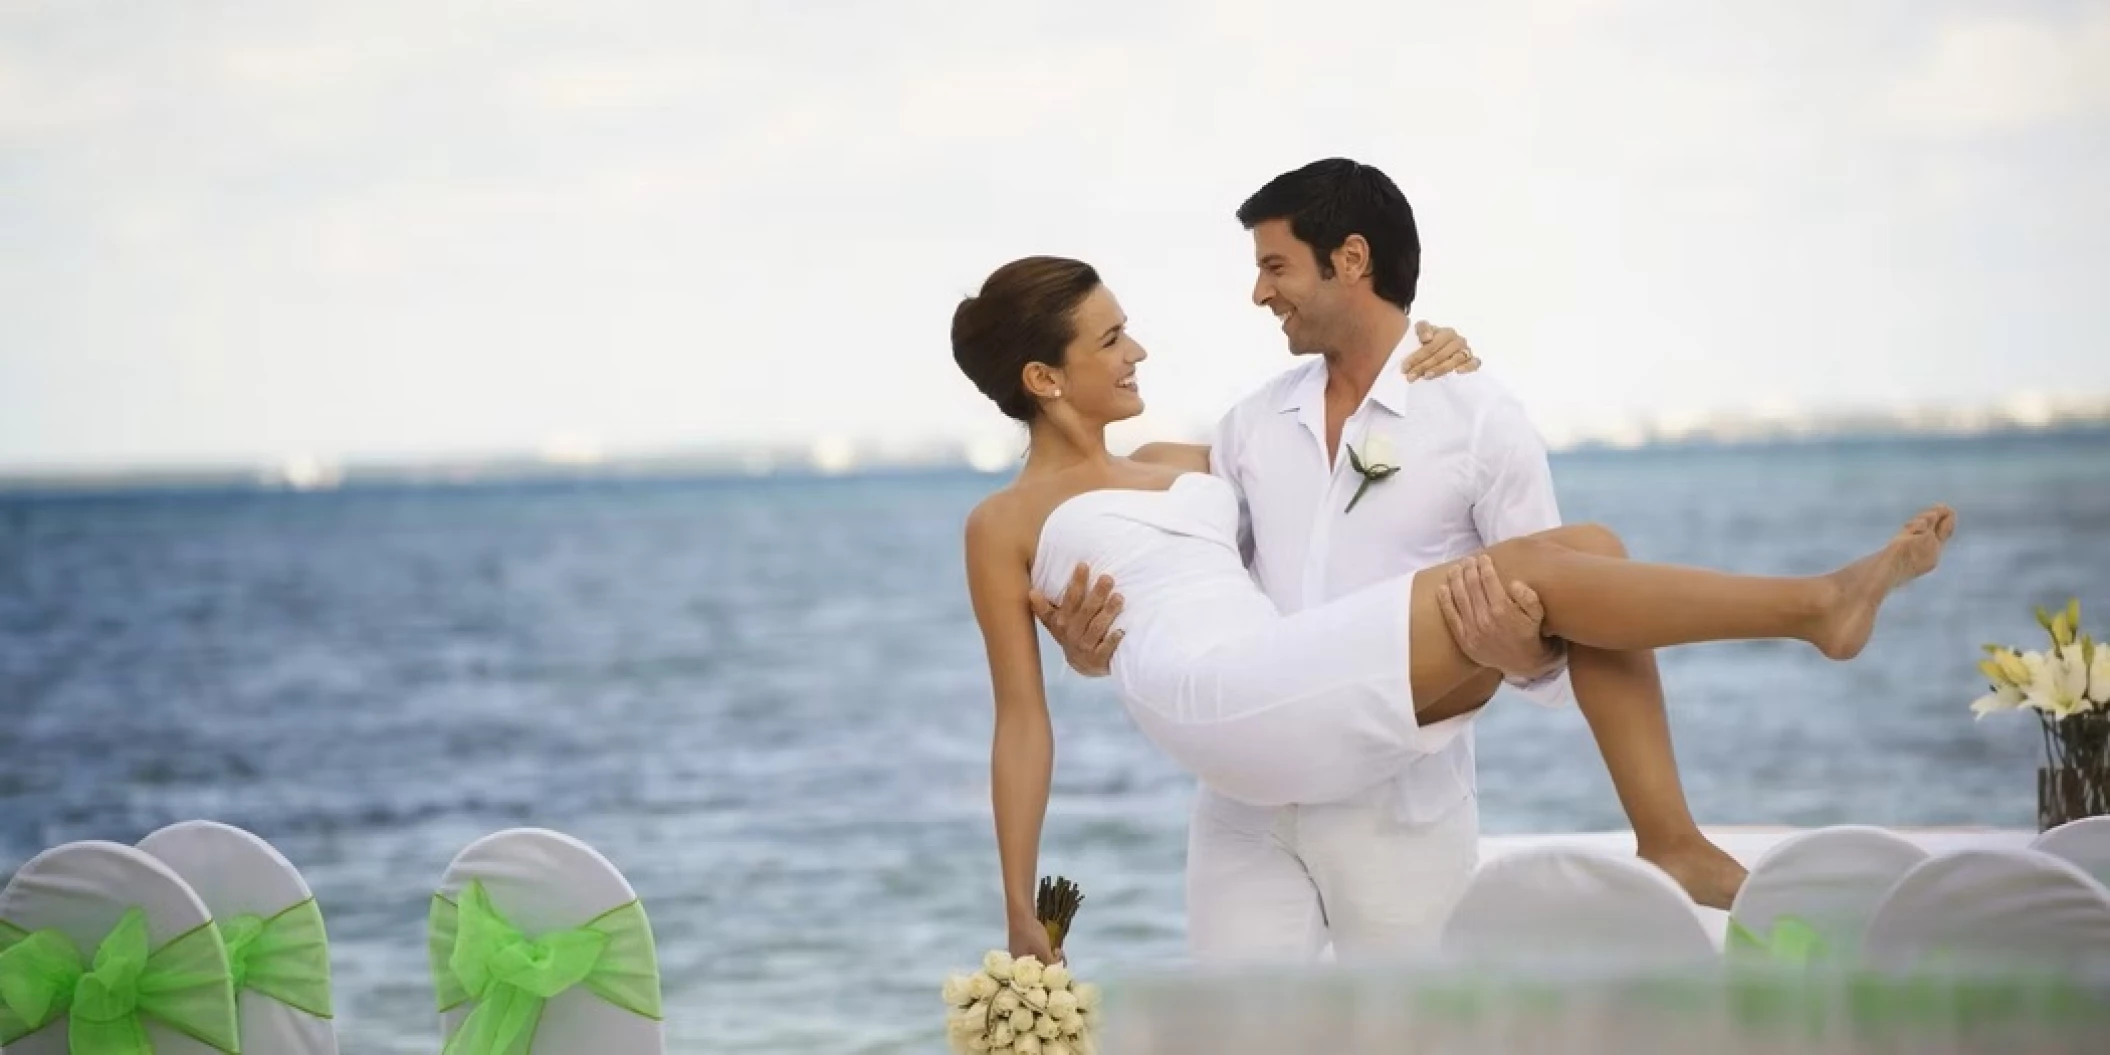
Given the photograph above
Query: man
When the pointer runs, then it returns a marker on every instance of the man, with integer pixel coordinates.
(1347, 474)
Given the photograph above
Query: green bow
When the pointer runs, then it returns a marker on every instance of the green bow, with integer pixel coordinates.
(184, 985)
(285, 957)
(1791, 941)
(478, 955)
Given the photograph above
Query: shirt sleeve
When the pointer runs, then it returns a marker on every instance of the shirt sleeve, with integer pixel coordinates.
(1223, 463)
(1514, 488)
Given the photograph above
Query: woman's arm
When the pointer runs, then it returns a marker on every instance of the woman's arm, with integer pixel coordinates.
(1186, 457)
(1022, 751)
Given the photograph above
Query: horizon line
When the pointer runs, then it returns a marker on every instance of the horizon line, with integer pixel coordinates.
(759, 461)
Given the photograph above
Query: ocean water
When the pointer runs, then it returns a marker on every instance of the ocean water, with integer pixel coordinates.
(765, 701)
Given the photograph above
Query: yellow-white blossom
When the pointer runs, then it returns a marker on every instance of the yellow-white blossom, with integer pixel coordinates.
(1087, 996)
(2002, 698)
(2058, 683)
(1025, 973)
(2066, 624)
(982, 987)
(1047, 1028)
(1062, 1003)
(1057, 1047)
(997, 963)
(1026, 1045)
(1057, 977)
(958, 989)
(2003, 666)
(1036, 998)
(1022, 1021)
(1006, 1002)
(2099, 676)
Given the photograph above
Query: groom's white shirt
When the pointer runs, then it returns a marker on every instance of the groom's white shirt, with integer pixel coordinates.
(1472, 473)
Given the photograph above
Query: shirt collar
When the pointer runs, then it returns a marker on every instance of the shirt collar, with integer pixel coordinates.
(1389, 391)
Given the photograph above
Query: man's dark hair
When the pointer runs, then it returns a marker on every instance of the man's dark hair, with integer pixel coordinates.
(1326, 201)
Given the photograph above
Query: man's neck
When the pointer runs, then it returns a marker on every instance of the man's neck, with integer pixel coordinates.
(1352, 367)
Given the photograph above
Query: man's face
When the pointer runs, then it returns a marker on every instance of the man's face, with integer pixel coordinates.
(1290, 286)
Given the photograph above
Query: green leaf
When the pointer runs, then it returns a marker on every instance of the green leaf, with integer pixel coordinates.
(1355, 460)
(2043, 618)
(1359, 489)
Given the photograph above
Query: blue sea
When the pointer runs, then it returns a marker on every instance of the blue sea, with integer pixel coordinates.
(764, 699)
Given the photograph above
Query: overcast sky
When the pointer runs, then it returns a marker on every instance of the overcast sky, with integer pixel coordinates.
(237, 231)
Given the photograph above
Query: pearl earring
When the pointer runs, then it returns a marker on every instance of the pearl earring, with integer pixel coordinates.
(1058, 393)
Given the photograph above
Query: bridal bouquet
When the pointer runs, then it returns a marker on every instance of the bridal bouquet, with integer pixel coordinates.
(1019, 1006)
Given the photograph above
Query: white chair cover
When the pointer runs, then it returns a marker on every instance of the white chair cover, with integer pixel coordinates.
(1830, 880)
(83, 889)
(1557, 904)
(2085, 842)
(1984, 909)
(543, 881)
(235, 873)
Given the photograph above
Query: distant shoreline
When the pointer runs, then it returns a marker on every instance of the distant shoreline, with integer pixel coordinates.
(756, 464)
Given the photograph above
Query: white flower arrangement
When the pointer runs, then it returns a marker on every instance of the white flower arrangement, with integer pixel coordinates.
(2070, 678)
(2068, 687)
(1020, 1007)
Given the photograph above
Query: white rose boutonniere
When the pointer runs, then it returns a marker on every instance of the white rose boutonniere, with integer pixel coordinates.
(1374, 463)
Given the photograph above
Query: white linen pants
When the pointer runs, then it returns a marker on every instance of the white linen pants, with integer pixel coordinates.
(1275, 885)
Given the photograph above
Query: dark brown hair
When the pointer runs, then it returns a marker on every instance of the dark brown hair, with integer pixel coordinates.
(1021, 316)
(1326, 201)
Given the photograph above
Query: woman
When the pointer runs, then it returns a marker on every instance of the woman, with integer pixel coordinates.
(1238, 693)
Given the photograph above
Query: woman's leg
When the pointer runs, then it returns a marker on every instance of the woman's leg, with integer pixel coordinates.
(1621, 605)
(1620, 695)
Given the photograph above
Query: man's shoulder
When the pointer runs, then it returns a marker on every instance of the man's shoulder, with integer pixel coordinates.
(1467, 399)
(1472, 391)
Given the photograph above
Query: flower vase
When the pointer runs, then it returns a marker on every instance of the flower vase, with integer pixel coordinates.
(2069, 793)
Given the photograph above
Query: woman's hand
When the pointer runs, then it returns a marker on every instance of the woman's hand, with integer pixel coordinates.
(1443, 351)
(1030, 938)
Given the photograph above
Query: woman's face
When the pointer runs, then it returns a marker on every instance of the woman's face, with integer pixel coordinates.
(1098, 375)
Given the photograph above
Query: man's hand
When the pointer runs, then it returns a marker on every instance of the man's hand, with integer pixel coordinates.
(1442, 352)
(1080, 624)
(1494, 626)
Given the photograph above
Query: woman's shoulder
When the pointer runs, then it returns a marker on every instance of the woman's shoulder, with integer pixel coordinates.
(996, 522)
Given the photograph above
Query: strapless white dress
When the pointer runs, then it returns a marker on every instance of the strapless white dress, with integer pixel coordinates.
(1266, 708)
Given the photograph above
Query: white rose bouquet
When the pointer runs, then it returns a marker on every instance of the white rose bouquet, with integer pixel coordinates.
(2067, 686)
(1020, 1006)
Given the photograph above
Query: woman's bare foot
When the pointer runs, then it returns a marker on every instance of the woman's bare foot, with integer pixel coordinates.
(1705, 870)
(1860, 588)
